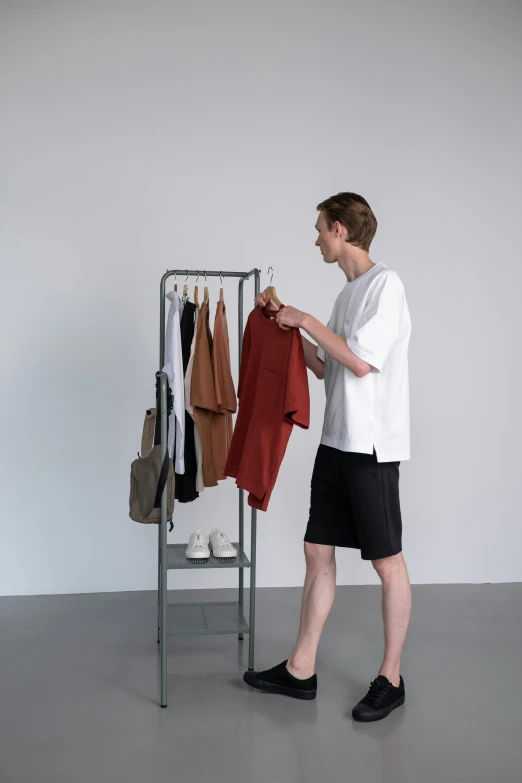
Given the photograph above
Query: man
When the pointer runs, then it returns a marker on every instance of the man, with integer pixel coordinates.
(363, 357)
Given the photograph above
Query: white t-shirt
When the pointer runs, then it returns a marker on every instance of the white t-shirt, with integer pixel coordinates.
(372, 314)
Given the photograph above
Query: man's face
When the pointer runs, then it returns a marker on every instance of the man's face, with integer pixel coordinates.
(328, 243)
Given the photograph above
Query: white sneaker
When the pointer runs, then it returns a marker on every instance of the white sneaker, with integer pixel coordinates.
(221, 546)
(198, 546)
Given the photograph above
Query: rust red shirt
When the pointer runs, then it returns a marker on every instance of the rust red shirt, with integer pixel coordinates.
(273, 396)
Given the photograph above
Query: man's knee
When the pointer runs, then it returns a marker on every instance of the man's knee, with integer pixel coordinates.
(387, 565)
(318, 555)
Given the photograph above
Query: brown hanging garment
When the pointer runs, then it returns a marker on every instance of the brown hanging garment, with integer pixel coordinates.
(226, 399)
(203, 393)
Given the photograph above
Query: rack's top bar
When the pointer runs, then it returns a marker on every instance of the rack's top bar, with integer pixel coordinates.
(203, 272)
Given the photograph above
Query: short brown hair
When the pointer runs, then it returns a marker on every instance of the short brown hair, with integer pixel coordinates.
(354, 213)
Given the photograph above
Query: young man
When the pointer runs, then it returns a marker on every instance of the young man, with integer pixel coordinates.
(363, 357)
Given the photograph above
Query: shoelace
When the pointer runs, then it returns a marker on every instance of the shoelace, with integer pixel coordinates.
(277, 673)
(376, 692)
(222, 539)
(198, 540)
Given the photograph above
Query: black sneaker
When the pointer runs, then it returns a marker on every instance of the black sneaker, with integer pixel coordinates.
(381, 699)
(279, 680)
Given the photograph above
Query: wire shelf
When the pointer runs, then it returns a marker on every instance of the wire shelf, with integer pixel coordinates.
(176, 559)
(202, 619)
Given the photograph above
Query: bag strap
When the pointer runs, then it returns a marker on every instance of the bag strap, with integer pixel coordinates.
(161, 485)
(147, 437)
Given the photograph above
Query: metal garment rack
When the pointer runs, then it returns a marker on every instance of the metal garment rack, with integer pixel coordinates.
(215, 617)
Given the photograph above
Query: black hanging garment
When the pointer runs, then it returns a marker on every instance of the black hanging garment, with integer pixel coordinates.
(185, 487)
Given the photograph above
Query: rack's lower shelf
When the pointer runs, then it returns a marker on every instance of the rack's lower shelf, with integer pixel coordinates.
(205, 619)
(176, 559)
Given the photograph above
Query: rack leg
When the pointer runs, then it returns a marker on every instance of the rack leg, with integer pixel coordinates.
(159, 582)
(252, 623)
(242, 546)
(163, 637)
(163, 548)
(253, 546)
(241, 491)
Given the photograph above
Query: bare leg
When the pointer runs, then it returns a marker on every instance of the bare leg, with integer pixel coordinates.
(318, 598)
(396, 612)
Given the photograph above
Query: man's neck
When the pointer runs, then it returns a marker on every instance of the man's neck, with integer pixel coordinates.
(356, 265)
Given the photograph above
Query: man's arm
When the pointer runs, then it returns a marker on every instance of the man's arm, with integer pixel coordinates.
(312, 360)
(335, 346)
(330, 342)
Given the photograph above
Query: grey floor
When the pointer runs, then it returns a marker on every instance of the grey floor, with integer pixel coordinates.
(79, 691)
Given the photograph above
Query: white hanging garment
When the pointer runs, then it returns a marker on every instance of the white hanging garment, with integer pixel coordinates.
(174, 370)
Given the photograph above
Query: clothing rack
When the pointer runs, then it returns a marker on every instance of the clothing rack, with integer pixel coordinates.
(202, 618)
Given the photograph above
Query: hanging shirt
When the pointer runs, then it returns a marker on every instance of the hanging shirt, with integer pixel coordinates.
(174, 370)
(203, 393)
(200, 486)
(185, 483)
(221, 425)
(273, 396)
(371, 314)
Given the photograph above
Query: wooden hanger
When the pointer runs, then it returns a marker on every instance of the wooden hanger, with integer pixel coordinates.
(271, 296)
(185, 290)
(176, 287)
(221, 298)
(196, 296)
(205, 298)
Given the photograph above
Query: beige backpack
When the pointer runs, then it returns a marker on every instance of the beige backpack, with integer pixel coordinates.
(148, 478)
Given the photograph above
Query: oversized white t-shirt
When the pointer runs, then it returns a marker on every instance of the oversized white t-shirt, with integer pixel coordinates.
(371, 314)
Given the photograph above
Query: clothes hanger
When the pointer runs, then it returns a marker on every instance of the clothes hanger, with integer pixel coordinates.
(221, 298)
(185, 291)
(176, 284)
(205, 297)
(271, 296)
(270, 292)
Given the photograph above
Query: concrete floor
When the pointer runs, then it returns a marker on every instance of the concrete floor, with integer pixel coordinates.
(79, 690)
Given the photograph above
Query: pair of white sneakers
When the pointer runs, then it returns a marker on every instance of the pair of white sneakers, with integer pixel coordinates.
(200, 544)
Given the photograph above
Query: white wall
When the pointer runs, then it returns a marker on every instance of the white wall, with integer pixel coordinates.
(141, 136)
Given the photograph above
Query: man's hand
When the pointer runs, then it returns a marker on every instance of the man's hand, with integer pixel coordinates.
(289, 317)
(334, 345)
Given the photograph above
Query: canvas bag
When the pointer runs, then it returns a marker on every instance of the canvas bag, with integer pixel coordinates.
(148, 478)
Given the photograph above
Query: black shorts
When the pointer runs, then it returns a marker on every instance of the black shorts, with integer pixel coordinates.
(355, 503)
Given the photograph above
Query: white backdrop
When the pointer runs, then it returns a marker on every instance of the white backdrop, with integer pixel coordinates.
(141, 136)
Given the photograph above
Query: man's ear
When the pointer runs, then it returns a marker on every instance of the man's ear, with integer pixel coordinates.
(342, 231)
